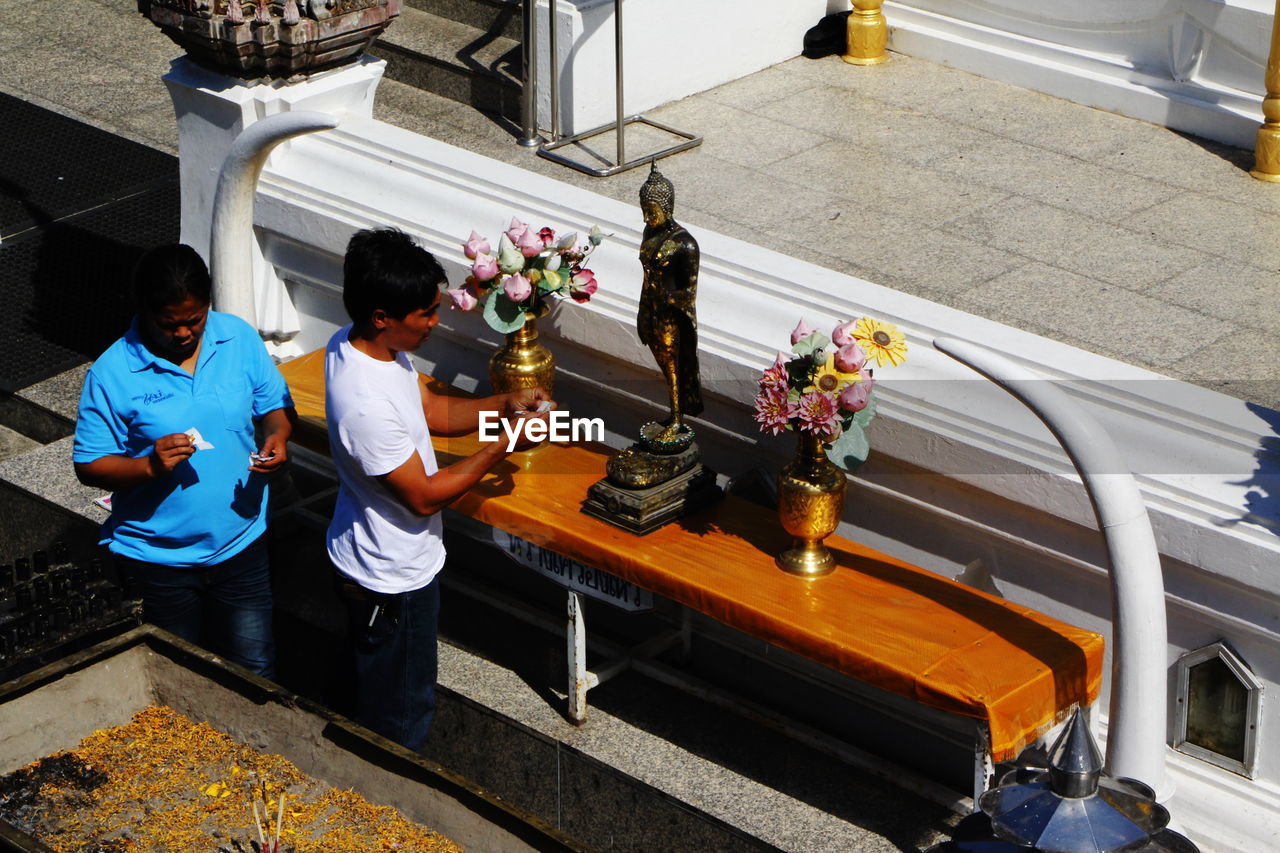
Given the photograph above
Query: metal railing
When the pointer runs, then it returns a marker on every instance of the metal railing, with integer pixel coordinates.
(529, 103)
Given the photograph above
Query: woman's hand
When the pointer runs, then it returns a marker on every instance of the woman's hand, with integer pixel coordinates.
(273, 453)
(170, 450)
(277, 427)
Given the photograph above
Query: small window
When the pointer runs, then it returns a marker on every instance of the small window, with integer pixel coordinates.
(1217, 713)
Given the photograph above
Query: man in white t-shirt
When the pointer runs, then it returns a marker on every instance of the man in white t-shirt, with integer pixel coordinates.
(385, 537)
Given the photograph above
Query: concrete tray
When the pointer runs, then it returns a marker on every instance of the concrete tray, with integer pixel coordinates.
(55, 707)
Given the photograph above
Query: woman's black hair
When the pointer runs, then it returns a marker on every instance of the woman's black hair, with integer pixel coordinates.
(385, 269)
(167, 275)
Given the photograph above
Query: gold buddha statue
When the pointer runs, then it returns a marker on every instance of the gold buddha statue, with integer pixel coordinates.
(667, 320)
(661, 477)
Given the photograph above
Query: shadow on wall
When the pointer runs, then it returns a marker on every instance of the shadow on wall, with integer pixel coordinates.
(1262, 501)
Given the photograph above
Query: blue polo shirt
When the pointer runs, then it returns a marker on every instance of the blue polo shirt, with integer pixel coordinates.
(211, 506)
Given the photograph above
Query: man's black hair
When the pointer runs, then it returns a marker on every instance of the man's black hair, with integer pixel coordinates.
(166, 275)
(385, 269)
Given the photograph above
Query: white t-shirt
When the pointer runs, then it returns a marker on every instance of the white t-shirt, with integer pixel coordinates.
(376, 422)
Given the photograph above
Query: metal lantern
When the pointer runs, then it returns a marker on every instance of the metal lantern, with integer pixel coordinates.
(1068, 804)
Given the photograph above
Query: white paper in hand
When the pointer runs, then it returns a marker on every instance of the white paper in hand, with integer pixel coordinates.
(197, 439)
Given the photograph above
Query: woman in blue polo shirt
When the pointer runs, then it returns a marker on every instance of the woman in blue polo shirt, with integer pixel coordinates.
(166, 423)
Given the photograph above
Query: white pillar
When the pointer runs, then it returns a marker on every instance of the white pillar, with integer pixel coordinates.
(212, 110)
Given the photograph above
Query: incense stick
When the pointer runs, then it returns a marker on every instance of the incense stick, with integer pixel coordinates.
(279, 821)
(257, 822)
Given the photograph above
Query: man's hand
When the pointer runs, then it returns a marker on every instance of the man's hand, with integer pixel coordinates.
(273, 453)
(168, 452)
(525, 405)
(527, 400)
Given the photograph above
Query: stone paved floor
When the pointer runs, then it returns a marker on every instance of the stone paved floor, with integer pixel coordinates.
(1112, 234)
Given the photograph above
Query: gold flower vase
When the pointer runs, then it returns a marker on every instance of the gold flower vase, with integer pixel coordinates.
(522, 362)
(810, 502)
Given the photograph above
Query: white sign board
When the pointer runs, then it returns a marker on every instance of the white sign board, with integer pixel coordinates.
(579, 577)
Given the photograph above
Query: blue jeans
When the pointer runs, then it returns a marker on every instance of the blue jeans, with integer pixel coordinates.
(394, 640)
(225, 607)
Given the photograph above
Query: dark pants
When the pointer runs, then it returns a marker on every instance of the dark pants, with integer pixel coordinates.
(225, 607)
(394, 640)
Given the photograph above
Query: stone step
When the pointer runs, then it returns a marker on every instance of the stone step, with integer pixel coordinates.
(454, 60)
(500, 17)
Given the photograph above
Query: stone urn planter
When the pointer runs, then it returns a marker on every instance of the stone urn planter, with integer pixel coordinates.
(271, 38)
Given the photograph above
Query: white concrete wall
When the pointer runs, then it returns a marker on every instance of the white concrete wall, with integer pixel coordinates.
(1193, 65)
(671, 49)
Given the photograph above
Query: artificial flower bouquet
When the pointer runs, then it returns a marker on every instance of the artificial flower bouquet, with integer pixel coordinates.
(825, 387)
(528, 267)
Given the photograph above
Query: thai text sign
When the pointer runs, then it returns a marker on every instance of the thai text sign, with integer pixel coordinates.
(573, 575)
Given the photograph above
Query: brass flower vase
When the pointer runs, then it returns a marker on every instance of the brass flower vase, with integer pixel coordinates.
(810, 501)
(522, 362)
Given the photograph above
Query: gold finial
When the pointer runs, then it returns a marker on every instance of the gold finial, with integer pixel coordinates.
(867, 31)
(1266, 153)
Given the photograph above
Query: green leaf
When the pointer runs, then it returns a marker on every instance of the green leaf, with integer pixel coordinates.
(851, 449)
(864, 417)
(810, 345)
(551, 280)
(502, 314)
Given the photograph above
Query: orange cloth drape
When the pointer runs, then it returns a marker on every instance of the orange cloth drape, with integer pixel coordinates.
(878, 619)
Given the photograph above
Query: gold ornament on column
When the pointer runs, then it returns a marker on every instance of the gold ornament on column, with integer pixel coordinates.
(868, 31)
(1266, 152)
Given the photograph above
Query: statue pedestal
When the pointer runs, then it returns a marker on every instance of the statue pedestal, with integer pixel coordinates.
(644, 509)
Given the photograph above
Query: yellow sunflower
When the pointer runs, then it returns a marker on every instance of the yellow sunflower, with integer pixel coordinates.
(881, 341)
(830, 379)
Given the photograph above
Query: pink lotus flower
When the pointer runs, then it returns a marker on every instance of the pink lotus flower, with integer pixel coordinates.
(582, 285)
(855, 396)
(484, 267)
(850, 358)
(476, 245)
(517, 288)
(842, 335)
(515, 229)
(819, 413)
(801, 331)
(464, 298)
(773, 411)
(775, 375)
(547, 236)
(529, 243)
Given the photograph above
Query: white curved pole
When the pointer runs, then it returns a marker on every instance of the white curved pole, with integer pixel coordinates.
(230, 258)
(1136, 729)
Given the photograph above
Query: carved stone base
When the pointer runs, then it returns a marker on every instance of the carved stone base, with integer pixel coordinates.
(282, 38)
(642, 511)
